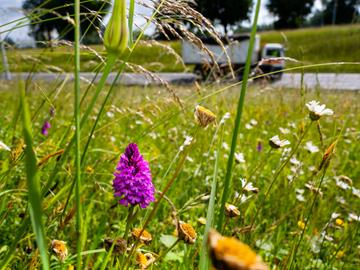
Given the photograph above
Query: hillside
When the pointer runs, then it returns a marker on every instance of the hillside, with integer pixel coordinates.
(321, 45)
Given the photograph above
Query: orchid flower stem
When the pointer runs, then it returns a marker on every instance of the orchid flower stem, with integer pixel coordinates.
(129, 221)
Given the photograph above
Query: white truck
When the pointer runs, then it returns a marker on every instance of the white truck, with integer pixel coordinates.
(270, 56)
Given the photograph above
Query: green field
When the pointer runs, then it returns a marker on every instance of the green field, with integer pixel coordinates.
(321, 45)
(309, 45)
(152, 119)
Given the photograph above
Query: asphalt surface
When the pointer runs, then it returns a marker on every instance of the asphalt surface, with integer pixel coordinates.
(328, 81)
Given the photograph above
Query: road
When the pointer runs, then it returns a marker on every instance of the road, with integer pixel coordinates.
(328, 81)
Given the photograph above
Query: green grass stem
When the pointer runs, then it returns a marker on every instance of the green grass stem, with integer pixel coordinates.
(229, 168)
(77, 134)
(204, 258)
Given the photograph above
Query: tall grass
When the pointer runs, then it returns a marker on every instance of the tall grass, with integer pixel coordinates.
(244, 84)
(77, 116)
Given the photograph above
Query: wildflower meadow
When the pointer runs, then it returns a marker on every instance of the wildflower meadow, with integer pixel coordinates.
(221, 174)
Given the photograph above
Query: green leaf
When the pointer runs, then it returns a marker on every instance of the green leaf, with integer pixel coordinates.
(175, 256)
(168, 240)
(33, 183)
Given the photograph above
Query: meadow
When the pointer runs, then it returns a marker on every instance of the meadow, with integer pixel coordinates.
(271, 224)
(308, 45)
(94, 176)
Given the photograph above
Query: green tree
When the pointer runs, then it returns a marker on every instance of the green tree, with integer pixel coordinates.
(341, 11)
(226, 12)
(290, 13)
(48, 15)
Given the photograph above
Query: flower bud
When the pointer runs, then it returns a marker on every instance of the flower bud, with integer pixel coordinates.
(116, 33)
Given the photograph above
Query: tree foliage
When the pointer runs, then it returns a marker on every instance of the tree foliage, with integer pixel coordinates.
(49, 15)
(290, 13)
(345, 11)
(227, 12)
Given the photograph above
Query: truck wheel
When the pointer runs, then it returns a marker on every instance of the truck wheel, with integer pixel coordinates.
(202, 71)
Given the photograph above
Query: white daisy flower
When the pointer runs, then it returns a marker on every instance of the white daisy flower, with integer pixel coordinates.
(335, 215)
(253, 122)
(316, 110)
(311, 147)
(342, 184)
(300, 197)
(299, 194)
(276, 143)
(353, 217)
(239, 158)
(225, 146)
(187, 142)
(284, 130)
(248, 186)
(295, 161)
(326, 237)
(340, 200)
(356, 192)
(110, 114)
(223, 119)
(248, 126)
(3, 146)
(243, 198)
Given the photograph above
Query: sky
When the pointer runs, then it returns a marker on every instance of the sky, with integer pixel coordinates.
(10, 10)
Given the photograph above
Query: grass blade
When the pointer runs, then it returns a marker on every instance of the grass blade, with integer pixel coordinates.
(240, 106)
(33, 183)
(204, 259)
(77, 134)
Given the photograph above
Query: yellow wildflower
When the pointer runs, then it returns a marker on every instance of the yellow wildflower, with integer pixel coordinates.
(60, 249)
(145, 236)
(301, 224)
(204, 116)
(186, 232)
(228, 253)
(339, 222)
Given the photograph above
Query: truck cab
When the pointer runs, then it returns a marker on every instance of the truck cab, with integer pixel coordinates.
(272, 60)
